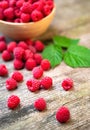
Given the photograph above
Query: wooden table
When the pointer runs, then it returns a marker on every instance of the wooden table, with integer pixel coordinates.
(72, 19)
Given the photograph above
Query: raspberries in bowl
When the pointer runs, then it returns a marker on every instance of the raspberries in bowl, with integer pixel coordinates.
(23, 19)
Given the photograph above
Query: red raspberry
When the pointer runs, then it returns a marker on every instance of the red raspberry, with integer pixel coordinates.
(37, 5)
(38, 58)
(37, 72)
(30, 64)
(18, 64)
(12, 3)
(67, 84)
(1, 14)
(13, 101)
(46, 82)
(50, 3)
(3, 46)
(17, 13)
(32, 48)
(3, 70)
(39, 46)
(29, 42)
(17, 20)
(19, 3)
(26, 7)
(46, 10)
(28, 55)
(11, 84)
(7, 56)
(40, 104)
(9, 13)
(45, 64)
(17, 76)
(63, 114)
(36, 15)
(11, 46)
(2, 38)
(25, 17)
(19, 53)
(33, 85)
(23, 45)
(4, 4)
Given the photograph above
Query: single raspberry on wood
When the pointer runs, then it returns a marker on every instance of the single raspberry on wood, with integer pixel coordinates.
(3, 46)
(39, 46)
(23, 45)
(3, 70)
(30, 64)
(17, 76)
(38, 58)
(45, 64)
(46, 82)
(40, 104)
(7, 56)
(11, 46)
(63, 114)
(13, 101)
(11, 84)
(28, 54)
(37, 72)
(67, 84)
(33, 85)
(18, 64)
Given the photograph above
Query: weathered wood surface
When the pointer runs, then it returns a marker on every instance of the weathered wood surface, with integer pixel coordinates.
(72, 19)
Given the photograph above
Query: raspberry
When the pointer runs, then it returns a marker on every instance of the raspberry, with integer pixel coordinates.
(26, 7)
(40, 104)
(39, 46)
(32, 48)
(11, 46)
(11, 84)
(2, 38)
(19, 53)
(1, 14)
(17, 20)
(50, 3)
(9, 13)
(4, 4)
(25, 17)
(18, 64)
(6, 56)
(46, 82)
(46, 10)
(17, 76)
(38, 58)
(3, 46)
(12, 3)
(37, 5)
(63, 114)
(28, 54)
(37, 72)
(29, 42)
(33, 85)
(30, 64)
(45, 64)
(13, 101)
(17, 13)
(23, 45)
(3, 70)
(19, 3)
(36, 15)
(67, 84)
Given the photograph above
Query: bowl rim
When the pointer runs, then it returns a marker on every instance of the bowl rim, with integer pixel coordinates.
(20, 24)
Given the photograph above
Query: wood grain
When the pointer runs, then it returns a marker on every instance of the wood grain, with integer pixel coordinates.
(72, 19)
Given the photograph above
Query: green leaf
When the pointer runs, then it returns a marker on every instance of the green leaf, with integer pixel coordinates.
(53, 54)
(77, 56)
(62, 41)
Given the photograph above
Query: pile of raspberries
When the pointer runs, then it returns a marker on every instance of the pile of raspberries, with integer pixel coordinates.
(23, 11)
(27, 54)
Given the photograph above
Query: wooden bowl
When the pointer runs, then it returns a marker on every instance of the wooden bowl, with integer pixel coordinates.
(22, 31)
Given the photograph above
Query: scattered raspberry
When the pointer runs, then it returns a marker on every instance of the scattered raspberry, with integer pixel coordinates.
(63, 114)
(33, 85)
(46, 82)
(25, 17)
(3, 46)
(11, 84)
(32, 48)
(45, 64)
(36, 15)
(9, 13)
(2, 38)
(67, 84)
(7, 56)
(19, 53)
(3, 70)
(29, 42)
(40, 104)
(18, 64)
(28, 54)
(23, 45)
(38, 58)
(17, 76)
(11, 46)
(13, 101)
(37, 72)
(30, 64)
(39, 46)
